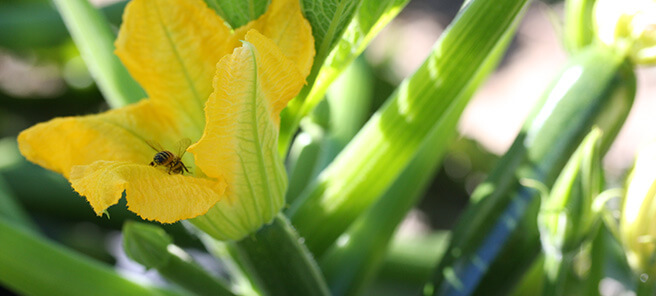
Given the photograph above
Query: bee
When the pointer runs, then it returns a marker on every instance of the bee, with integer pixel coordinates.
(166, 158)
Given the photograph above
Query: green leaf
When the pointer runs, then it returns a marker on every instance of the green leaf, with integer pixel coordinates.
(370, 17)
(32, 265)
(430, 99)
(238, 13)
(328, 19)
(95, 40)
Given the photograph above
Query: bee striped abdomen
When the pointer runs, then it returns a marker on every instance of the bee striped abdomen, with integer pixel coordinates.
(167, 159)
(163, 158)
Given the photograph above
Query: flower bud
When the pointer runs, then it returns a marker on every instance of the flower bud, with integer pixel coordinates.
(567, 216)
(146, 244)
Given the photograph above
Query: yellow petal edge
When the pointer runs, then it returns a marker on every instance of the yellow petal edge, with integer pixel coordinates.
(151, 193)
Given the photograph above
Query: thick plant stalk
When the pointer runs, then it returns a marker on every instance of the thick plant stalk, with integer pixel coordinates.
(280, 262)
(349, 267)
(497, 235)
(386, 144)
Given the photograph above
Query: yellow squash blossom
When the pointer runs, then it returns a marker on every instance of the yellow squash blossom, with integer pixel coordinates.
(223, 89)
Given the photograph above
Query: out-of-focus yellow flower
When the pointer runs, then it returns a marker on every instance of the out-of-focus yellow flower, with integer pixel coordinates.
(205, 84)
(629, 25)
(638, 222)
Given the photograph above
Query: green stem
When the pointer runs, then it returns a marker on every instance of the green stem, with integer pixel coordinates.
(152, 247)
(95, 40)
(556, 268)
(281, 262)
(191, 277)
(26, 25)
(578, 32)
(428, 100)
(242, 282)
(597, 259)
(32, 265)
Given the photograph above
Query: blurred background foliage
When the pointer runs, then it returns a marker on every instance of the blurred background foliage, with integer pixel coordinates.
(42, 76)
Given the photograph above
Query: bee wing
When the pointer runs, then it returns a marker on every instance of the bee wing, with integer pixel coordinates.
(155, 145)
(182, 145)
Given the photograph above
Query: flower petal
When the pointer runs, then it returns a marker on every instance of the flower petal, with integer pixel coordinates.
(290, 31)
(240, 139)
(120, 134)
(171, 48)
(152, 193)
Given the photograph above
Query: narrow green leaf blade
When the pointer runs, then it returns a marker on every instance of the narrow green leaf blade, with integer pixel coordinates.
(387, 143)
(238, 13)
(32, 265)
(95, 40)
